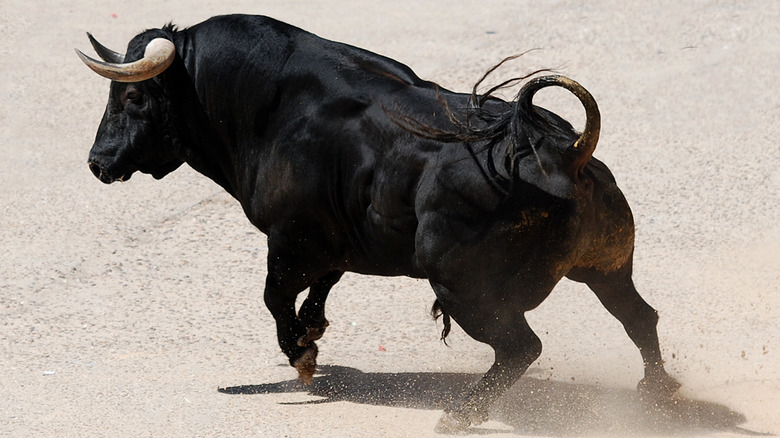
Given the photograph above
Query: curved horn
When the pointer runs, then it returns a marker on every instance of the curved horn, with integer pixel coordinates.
(586, 144)
(158, 56)
(104, 52)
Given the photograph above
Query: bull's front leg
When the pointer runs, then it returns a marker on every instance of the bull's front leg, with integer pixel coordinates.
(289, 329)
(297, 262)
(312, 312)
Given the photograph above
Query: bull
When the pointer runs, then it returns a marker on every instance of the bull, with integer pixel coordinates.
(348, 161)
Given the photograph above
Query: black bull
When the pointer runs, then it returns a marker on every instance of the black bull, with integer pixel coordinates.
(350, 162)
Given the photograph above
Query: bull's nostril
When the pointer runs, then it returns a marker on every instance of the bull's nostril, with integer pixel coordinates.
(95, 168)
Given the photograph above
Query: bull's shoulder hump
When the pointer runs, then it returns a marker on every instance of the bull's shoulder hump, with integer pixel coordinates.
(232, 35)
(241, 23)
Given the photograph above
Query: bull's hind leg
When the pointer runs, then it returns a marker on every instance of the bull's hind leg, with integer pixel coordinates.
(312, 311)
(516, 347)
(617, 293)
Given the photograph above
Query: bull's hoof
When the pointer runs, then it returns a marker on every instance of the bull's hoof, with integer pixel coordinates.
(457, 422)
(306, 364)
(658, 389)
(312, 334)
(452, 423)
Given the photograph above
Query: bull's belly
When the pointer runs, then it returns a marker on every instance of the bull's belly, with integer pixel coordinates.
(383, 268)
(385, 246)
(517, 259)
(386, 258)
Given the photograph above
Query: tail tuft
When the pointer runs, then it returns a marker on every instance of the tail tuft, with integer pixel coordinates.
(437, 311)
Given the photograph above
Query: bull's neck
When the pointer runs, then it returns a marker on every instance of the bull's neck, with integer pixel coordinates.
(203, 145)
(203, 149)
(211, 160)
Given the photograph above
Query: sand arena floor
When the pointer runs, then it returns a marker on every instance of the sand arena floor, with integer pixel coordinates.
(124, 308)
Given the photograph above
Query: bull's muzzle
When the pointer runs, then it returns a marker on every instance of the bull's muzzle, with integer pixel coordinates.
(105, 177)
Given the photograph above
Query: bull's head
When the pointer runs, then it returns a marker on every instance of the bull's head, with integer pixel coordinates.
(136, 132)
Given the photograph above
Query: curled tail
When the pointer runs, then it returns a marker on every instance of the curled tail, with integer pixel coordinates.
(579, 153)
(524, 142)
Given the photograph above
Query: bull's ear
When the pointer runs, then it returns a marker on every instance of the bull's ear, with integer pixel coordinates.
(104, 52)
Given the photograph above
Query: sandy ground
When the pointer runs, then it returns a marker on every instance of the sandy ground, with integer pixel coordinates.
(124, 308)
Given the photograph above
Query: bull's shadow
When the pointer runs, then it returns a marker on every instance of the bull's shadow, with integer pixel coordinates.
(532, 406)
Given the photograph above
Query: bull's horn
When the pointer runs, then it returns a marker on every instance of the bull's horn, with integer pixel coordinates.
(586, 143)
(158, 56)
(104, 52)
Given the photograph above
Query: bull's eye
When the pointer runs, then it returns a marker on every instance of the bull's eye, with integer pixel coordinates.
(131, 94)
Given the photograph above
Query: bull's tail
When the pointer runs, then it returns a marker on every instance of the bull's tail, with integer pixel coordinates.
(582, 150)
(526, 142)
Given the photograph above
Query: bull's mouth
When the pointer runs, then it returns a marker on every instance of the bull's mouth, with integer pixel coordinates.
(107, 176)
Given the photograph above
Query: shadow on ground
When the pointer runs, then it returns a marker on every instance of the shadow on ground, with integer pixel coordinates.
(532, 406)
